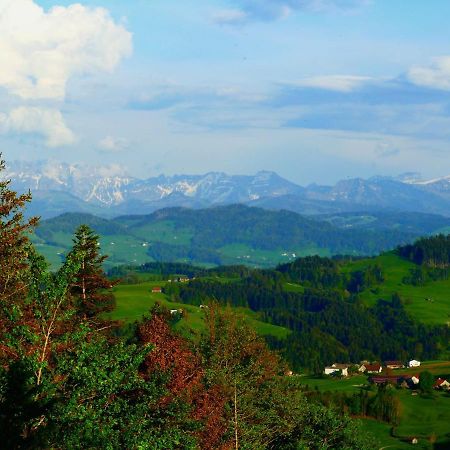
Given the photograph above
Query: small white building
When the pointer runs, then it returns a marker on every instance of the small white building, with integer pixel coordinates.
(336, 367)
(414, 363)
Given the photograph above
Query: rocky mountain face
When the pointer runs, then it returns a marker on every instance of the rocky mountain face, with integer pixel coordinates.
(108, 191)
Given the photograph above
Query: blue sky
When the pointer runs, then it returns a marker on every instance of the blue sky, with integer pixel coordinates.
(317, 90)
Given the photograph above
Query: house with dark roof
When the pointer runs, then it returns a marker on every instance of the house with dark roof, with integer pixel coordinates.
(394, 364)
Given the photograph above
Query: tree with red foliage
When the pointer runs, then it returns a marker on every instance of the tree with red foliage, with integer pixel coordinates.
(173, 356)
(170, 354)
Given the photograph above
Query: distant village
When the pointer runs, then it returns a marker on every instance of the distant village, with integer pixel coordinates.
(379, 374)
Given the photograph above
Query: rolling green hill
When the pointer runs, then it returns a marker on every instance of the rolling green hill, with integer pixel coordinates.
(428, 304)
(233, 234)
(136, 300)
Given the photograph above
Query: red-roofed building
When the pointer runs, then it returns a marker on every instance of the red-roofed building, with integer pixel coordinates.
(441, 384)
(370, 368)
(394, 364)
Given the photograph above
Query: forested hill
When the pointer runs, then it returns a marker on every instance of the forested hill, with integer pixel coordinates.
(335, 309)
(232, 234)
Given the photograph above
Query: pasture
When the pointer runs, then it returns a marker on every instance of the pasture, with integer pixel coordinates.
(424, 417)
(429, 304)
(134, 301)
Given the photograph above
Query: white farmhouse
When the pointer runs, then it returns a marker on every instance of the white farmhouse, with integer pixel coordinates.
(414, 363)
(336, 367)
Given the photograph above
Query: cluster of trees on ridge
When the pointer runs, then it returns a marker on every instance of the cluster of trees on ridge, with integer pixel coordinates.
(432, 258)
(68, 380)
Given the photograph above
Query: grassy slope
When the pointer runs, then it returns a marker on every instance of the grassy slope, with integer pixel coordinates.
(135, 301)
(395, 268)
(121, 249)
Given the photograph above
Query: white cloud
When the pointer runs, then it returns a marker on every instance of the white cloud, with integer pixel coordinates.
(230, 17)
(111, 170)
(340, 83)
(44, 121)
(112, 144)
(40, 51)
(436, 75)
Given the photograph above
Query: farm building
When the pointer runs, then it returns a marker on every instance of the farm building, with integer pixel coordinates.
(442, 384)
(370, 368)
(156, 290)
(335, 368)
(414, 363)
(394, 364)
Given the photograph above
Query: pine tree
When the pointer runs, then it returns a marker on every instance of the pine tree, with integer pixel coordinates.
(14, 241)
(91, 288)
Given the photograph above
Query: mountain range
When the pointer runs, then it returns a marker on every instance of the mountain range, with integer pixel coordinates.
(107, 191)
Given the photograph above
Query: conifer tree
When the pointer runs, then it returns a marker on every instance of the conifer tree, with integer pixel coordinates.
(13, 240)
(91, 288)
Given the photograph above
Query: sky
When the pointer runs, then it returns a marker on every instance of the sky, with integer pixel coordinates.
(316, 90)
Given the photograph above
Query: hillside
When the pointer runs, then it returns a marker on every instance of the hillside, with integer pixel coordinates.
(353, 310)
(234, 234)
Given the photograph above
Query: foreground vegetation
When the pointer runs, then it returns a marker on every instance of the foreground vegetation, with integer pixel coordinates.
(70, 379)
(134, 360)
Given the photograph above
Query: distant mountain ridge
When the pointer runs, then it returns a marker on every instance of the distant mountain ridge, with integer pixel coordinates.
(108, 191)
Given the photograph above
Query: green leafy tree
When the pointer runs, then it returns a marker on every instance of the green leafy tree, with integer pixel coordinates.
(102, 401)
(37, 327)
(263, 408)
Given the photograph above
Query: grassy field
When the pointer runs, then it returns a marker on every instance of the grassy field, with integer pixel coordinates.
(135, 301)
(121, 249)
(428, 304)
(166, 232)
(243, 254)
(427, 418)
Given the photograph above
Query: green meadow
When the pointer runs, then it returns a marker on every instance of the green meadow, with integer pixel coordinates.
(425, 417)
(134, 301)
(428, 304)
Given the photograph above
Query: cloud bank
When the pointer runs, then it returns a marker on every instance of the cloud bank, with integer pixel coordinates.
(113, 144)
(44, 121)
(41, 51)
(436, 75)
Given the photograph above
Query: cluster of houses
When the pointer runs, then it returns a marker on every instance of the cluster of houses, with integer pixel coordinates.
(376, 377)
(180, 280)
(368, 368)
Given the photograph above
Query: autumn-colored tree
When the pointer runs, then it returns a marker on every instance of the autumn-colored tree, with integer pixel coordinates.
(14, 242)
(238, 360)
(170, 354)
(91, 288)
